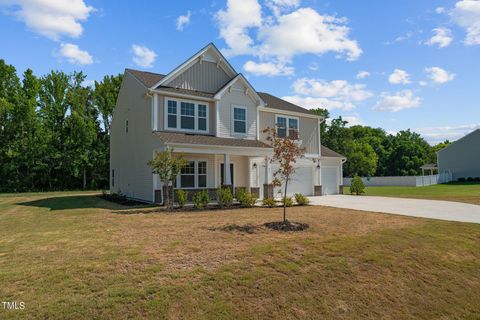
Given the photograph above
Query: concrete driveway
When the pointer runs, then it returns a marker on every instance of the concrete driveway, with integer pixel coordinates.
(434, 209)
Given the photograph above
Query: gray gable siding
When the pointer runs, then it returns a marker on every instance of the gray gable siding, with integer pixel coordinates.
(204, 76)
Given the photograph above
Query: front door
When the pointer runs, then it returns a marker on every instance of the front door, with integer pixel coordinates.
(222, 174)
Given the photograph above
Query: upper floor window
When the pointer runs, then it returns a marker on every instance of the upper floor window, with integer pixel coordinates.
(239, 120)
(287, 126)
(186, 116)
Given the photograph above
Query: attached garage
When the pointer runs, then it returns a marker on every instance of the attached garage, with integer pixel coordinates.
(330, 180)
(331, 171)
(302, 181)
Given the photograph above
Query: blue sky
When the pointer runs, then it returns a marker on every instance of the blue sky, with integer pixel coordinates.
(390, 64)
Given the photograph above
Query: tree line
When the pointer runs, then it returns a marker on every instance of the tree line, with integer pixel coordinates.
(54, 130)
(374, 152)
(54, 135)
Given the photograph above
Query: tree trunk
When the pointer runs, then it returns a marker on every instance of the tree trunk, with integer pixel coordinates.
(285, 202)
(84, 178)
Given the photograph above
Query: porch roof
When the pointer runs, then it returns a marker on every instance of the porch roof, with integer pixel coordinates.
(208, 140)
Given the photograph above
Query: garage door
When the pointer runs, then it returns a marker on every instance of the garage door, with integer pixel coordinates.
(329, 180)
(302, 182)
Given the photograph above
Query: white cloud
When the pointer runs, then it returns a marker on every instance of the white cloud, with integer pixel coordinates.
(438, 75)
(268, 68)
(363, 74)
(399, 77)
(442, 37)
(436, 135)
(440, 10)
(353, 121)
(336, 94)
(467, 15)
(51, 18)
(234, 23)
(290, 31)
(143, 56)
(313, 66)
(182, 21)
(398, 101)
(74, 54)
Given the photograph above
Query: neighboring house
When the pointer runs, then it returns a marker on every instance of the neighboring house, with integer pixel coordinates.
(213, 117)
(461, 159)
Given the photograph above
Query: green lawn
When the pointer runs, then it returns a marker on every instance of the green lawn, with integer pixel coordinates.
(75, 256)
(461, 192)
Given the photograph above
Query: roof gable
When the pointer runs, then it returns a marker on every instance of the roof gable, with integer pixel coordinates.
(280, 104)
(470, 138)
(209, 54)
(232, 84)
(146, 78)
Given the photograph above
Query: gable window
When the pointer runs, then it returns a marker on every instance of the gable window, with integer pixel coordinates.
(172, 114)
(187, 119)
(239, 120)
(287, 126)
(202, 117)
(193, 175)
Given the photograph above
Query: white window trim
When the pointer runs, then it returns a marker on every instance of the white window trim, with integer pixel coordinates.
(179, 115)
(232, 121)
(196, 161)
(288, 117)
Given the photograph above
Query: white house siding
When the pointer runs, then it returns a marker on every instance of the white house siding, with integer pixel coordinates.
(240, 98)
(205, 76)
(308, 130)
(462, 158)
(129, 152)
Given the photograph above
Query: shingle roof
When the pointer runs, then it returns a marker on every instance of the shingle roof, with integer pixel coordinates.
(277, 103)
(326, 152)
(184, 138)
(147, 78)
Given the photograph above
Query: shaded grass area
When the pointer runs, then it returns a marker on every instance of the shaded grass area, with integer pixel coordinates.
(83, 261)
(460, 192)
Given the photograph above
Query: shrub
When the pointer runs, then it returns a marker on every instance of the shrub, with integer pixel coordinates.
(201, 199)
(301, 199)
(287, 201)
(462, 179)
(470, 179)
(224, 197)
(477, 179)
(269, 202)
(182, 196)
(246, 199)
(357, 187)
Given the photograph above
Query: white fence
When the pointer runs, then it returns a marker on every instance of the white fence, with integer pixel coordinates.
(402, 181)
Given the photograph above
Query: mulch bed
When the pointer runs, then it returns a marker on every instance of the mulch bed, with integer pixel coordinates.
(286, 226)
(247, 228)
(121, 200)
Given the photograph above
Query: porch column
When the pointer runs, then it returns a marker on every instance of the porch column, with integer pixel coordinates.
(267, 184)
(317, 189)
(226, 170)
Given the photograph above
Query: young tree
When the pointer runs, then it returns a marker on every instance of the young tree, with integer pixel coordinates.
(286, 152)
(167, 166)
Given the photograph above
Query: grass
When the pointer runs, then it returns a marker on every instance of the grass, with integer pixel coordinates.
(75, 256)
(461, 192)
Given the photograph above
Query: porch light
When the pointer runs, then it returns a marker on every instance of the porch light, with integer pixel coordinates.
(254, 166)
(318, 166)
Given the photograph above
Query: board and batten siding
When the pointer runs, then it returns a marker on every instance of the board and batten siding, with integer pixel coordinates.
(203, 76)
(236, 97)
(308, 129)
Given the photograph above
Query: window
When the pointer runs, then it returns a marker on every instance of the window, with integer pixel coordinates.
(172, 114)
(187, 175)
(193, 175)
(287, 126)
(126, 126)
(202, 174)
(187, 119)
(186, 116)
(239, 120)
(281, 127)
(113, 178)
(293, 128)
(202, 117)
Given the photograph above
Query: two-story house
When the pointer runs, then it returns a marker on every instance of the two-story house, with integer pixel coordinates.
(213, 117)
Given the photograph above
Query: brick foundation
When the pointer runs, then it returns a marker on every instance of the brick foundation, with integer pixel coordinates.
(340, 189)
(317, 190)
(268, 190)
(255, 191)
